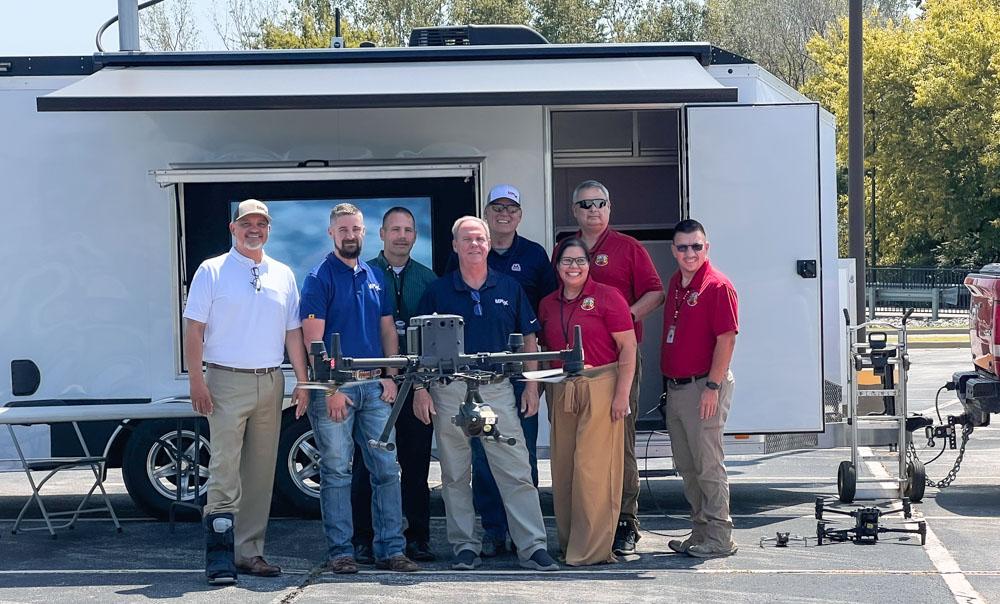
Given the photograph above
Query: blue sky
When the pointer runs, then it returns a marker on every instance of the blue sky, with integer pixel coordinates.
(68, 27)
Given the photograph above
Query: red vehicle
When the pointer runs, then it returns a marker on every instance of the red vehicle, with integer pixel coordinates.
(979, 390)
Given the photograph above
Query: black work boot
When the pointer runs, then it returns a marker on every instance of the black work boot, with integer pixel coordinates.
(220, 558)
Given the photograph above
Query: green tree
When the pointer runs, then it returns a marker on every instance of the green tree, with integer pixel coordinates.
(672, 21)
(932, 107)
(486, 12)
(569, 21)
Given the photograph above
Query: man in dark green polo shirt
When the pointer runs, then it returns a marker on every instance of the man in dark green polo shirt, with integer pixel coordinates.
(406, 279)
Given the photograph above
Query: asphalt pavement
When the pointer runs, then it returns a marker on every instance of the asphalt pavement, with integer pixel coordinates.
(770, 494)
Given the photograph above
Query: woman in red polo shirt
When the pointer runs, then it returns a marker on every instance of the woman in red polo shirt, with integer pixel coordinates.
(586, 411)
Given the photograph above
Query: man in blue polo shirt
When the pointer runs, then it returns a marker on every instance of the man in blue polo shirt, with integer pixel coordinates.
(529, 265)
(493, 306)
(345, 295)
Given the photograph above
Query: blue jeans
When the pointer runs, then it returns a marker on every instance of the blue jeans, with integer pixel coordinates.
(485, 494)
(365, 419)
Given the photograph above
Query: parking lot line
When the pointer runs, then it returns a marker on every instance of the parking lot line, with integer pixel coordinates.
(941, 558)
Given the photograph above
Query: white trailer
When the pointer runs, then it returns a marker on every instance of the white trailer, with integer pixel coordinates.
(120, 172)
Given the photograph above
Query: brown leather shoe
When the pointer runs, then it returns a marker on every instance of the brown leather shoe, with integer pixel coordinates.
(258, 566)
(343, 565)
(398, 563)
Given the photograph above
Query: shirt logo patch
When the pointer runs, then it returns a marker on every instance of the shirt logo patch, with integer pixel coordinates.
(692, 299)
(501, 301)
(601, 260)
(374, 287)
(515, 267)
(588, 303)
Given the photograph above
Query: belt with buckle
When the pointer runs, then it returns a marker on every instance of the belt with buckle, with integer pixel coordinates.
(261, 371)
(365, 374)
(686, 380)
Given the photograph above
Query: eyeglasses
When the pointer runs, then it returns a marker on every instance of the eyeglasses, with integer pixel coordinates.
(682, 248)
(579, 261)
(255, 282)
(586, 204)
(499, 208)
(478, 308)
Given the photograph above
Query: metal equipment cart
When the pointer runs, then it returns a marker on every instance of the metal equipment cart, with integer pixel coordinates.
(889, 362)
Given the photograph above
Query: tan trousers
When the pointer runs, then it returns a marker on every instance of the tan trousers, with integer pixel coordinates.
(698, 457)
(630, 476)
(244, 427)
(509, 465)
(586, 452)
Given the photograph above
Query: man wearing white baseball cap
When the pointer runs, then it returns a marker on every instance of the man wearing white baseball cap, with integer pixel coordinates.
(242, 313)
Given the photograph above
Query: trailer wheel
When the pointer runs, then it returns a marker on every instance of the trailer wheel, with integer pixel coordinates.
(847, 481)
(149, 471)
(296, 479)
(916, 480)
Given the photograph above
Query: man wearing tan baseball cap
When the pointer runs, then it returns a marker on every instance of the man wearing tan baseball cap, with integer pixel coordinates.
(242, 313)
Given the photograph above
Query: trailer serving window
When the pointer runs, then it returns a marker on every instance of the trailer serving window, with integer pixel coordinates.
(300, 200)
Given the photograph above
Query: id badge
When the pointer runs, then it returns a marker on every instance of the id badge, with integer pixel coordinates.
(670, 334)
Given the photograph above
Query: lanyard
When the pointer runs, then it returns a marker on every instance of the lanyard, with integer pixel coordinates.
(397, 280)
(680, 295)
(564, 322)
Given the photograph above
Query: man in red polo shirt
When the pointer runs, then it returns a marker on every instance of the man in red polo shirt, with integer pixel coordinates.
(700, 323)
(621, 262)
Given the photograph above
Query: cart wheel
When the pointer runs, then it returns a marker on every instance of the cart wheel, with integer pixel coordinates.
(916, 480)
(819, 533)
(847, 481)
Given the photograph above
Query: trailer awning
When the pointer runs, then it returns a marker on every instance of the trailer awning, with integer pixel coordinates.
(618, 80)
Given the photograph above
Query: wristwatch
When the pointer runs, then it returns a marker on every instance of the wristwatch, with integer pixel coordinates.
(712, 385)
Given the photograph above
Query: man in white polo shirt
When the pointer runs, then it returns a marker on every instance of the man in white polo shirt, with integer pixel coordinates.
(242, 313)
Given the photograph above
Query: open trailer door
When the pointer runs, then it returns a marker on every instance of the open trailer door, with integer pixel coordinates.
(752, 178)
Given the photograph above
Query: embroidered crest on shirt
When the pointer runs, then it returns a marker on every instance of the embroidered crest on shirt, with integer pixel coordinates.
(374, 287)
(588, 303)
(692, 299)
(516, 267)
(601, 260)
(501, 301)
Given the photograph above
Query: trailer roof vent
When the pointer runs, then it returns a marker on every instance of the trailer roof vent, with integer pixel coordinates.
(475, 35)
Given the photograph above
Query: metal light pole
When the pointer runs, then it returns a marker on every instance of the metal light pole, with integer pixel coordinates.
(128, 25)
(856, 151)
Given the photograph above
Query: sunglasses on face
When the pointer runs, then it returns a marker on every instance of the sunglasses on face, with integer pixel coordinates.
(586, 204)
(499, 208)
(567, 261)
(683, 248)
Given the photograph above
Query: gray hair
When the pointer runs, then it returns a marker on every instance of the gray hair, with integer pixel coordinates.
(590, 184)
(476, 219)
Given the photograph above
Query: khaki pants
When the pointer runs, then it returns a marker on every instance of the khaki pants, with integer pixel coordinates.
(630, 469)
(587, 454)
(244, 427)
(509, 465)
(697, 449)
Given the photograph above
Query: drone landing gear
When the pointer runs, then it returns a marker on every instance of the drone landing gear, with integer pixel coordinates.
(866, 528)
